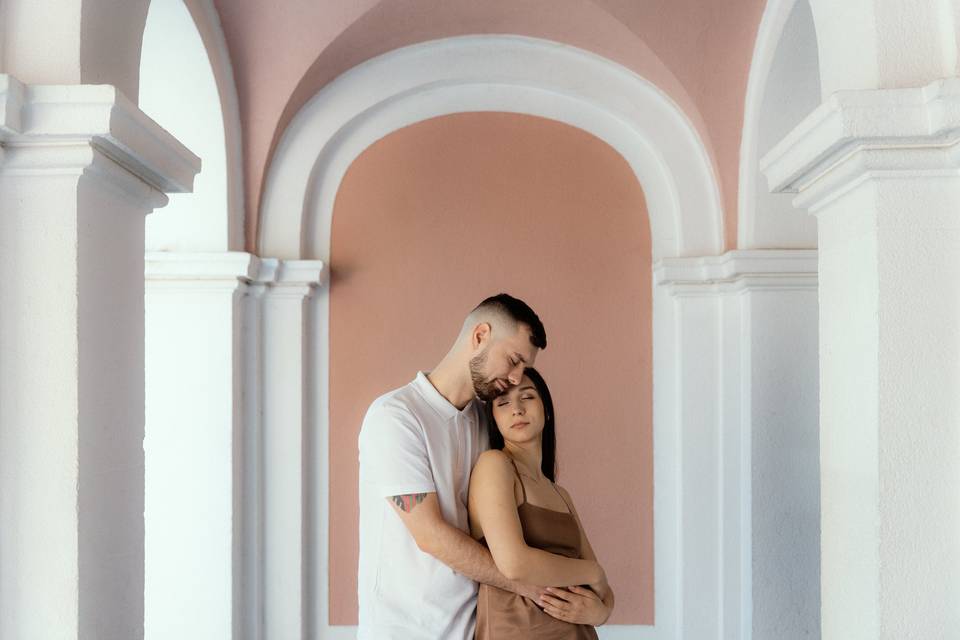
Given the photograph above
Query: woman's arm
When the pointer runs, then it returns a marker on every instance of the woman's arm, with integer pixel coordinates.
(493, 507)
(602, 588)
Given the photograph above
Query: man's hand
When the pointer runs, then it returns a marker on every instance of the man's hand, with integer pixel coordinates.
(576, 605)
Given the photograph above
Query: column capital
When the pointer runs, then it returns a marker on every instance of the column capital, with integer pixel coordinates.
(50, 129)
(736, 271)
(297, 278)
(862, 135)
(178, 270)
(232, 269)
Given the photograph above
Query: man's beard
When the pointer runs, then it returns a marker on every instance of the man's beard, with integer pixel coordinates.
(485, 390)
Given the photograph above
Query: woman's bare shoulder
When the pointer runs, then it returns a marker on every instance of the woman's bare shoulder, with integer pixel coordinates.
(492, 461)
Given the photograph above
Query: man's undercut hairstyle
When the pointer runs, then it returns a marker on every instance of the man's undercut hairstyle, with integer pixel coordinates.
(514, 310)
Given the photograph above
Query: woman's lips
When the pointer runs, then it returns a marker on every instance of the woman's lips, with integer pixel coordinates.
(519, 425)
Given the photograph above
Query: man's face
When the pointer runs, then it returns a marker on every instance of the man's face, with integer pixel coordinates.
(500, 364)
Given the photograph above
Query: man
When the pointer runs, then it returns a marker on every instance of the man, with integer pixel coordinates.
(419, 567)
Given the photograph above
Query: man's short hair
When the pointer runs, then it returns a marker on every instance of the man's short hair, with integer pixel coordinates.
(518, 311)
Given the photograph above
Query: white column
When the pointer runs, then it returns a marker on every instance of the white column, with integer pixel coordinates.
(227, 430)
(80, 166)
(195, 444)
(879, 169)
(745, 339)
(286, 494)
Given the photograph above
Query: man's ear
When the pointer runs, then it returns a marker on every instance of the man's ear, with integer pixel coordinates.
(480, 335)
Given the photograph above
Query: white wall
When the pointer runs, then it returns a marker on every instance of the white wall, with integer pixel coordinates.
(179, 91)
(792, 92)
(780, 331)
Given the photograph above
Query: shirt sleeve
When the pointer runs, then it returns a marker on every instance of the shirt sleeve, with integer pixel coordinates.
(393, 453)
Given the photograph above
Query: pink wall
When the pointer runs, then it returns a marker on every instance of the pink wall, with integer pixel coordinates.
(697, 51)
(435, 217)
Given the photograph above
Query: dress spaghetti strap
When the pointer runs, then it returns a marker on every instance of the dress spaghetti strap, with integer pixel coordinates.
(522, 488)
(560, 493)
(504, 615)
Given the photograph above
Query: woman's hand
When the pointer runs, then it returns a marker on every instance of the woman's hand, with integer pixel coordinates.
(577, 605)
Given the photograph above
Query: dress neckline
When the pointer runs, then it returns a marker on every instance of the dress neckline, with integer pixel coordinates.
(516, 469)
(536, 506)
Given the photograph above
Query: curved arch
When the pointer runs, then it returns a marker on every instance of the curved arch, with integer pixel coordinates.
(207, 20)
(491, 73)
(198, 65)
(386, 26)
(755, 229)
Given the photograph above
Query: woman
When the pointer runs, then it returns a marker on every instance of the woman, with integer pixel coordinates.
(531, 527)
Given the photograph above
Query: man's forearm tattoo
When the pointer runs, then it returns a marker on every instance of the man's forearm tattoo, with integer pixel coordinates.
(408, 501)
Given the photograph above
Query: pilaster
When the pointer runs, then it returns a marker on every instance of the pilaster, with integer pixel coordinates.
(196, 443)
(879, 169)
(80, 167)
(288, 437)
(742, 329)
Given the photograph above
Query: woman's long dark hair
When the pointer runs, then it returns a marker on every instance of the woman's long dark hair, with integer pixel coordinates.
(549, 436)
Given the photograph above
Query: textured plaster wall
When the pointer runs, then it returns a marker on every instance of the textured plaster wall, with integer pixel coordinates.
(437, 216)
(73, 41)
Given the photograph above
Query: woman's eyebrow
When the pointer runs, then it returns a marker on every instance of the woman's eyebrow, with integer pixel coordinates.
(529, 386)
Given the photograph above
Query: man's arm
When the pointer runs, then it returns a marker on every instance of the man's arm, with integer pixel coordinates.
(421, 515)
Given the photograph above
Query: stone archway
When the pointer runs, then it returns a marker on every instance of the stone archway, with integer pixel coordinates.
(492, 73)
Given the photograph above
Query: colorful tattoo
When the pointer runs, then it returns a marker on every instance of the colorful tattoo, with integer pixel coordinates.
(409, 501)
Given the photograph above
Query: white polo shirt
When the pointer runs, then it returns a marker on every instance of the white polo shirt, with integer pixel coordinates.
(414, 441)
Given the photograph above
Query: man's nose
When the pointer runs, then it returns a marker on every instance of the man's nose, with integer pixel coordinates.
(516, 374)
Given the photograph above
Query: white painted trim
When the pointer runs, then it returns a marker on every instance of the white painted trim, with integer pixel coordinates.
(736, 271)
(306, 273)
(490, 73)
(47, 116)
(164, 266)
(857, 135)
(161, 266)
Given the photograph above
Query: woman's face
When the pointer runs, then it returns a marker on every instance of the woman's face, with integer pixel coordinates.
(519, 412)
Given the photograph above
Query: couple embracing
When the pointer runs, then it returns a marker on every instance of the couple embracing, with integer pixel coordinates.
(463, 531)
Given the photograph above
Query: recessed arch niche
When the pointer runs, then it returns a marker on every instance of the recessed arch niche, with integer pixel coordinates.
(515, 75)
(438, 215)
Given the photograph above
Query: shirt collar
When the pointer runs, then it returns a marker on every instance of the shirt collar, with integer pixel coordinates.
(436, 400)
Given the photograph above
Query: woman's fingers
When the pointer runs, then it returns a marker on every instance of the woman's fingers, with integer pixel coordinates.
(586, 593)
(563, 594)
(554, 602)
